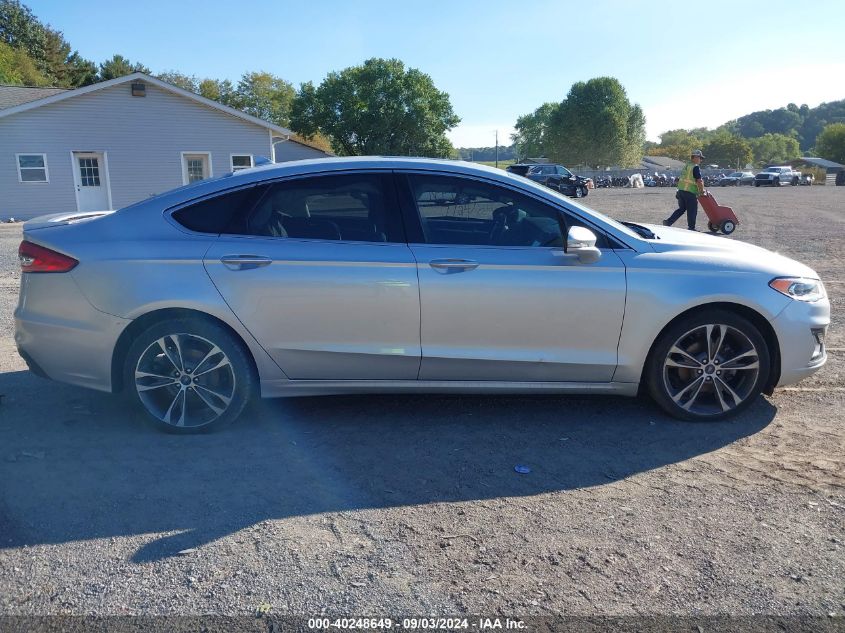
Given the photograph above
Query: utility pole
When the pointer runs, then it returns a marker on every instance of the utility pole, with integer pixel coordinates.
(497, 148)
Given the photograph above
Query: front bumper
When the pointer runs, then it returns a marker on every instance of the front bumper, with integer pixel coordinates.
(61, 335)
(798, 327)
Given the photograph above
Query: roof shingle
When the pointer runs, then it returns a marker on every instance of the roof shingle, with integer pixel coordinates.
(11, 96)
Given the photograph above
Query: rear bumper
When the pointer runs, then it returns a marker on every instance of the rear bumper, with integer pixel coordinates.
(61, 335)
(797, 328)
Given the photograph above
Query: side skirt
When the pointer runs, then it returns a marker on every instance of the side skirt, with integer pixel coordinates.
(290, 388)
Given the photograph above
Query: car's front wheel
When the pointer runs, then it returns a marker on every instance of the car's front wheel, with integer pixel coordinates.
(708, 367)
(189, 375)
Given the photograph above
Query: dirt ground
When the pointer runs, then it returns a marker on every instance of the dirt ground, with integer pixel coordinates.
(410, 504)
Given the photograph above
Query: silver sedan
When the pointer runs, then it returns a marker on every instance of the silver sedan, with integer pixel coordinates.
(403, 275)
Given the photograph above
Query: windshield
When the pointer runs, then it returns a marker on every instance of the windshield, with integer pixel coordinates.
(736, 174)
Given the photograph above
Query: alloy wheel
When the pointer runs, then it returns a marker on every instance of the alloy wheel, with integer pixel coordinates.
(185, 380)
(711, 369)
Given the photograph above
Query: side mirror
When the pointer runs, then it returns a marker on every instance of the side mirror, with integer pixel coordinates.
(581, 241)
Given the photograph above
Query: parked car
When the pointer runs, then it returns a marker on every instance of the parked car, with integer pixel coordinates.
(737, 178)
(394, 275)
(520, 169)
(553, 176)
(777, 176)
(840, 178)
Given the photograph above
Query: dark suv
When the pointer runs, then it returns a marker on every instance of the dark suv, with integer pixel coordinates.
(553, 176)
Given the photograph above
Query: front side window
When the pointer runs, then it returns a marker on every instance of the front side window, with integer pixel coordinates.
(462, 211)
(32, 168)
(358, 208)
(241, 161)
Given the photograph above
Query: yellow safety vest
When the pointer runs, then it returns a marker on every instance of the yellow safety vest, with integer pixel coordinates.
(686, 182)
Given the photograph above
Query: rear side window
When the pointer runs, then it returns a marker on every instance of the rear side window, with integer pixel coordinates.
(347, 207)
(215, 215)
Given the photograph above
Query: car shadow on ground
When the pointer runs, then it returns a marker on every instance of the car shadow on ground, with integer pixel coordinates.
(77, 465)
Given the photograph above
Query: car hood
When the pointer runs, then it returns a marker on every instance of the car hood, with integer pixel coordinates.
(724, 253)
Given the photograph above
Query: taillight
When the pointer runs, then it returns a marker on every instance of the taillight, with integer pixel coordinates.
(37, 259)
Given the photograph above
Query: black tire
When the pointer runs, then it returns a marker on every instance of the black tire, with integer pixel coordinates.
(794, 182)
(579, 192)
(728, 227)
(756, 184)
(776, 182)
(199, 400)
(714, 228)
(709, 401)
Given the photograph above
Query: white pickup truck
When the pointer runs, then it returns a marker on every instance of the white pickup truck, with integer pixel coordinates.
(777, 176)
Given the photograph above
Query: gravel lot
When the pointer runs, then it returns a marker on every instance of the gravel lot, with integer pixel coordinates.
(410, 504)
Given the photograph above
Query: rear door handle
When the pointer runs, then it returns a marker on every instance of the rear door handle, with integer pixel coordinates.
(245, 262)
(453, 265)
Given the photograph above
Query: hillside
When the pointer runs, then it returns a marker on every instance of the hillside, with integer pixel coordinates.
(801, 122)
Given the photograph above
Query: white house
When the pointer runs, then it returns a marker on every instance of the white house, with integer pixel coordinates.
(113, 143)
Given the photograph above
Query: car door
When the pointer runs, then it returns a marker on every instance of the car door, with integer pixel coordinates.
(320, 273)
(499, 299)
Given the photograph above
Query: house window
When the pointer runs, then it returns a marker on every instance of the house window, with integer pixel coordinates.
(241, 161)
(195, 166)
(195, 169)
(89, 172)
(32, 168)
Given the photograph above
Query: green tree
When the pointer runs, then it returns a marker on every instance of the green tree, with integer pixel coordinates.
(378, 107)
(728, 150)
(265, 96)
(774, 148)
(531, 129)
(46, 47)
(180, 80)
(20, 29)
(830, 143)
(18, 69)
(216, 90)
(80, 71)
(118, 66)
(679, 144)
(597, 125)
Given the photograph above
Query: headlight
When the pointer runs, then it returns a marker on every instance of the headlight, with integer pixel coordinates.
(799, 288)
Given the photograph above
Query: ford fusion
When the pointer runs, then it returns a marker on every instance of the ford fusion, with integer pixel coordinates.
(383, 275)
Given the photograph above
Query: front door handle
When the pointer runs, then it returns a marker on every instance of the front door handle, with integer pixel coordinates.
(453, 265)
(245, 262)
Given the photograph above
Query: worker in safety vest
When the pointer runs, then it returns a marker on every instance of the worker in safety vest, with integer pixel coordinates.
(690, 186)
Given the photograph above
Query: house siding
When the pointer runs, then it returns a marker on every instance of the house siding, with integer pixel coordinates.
(143, 138)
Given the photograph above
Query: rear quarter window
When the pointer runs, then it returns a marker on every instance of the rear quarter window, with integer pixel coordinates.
(216, 214)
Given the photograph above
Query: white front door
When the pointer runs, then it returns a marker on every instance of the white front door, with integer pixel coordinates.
(91, 179)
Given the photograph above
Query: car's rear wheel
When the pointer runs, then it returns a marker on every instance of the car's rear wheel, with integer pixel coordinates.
(708, 367)
(189, 375)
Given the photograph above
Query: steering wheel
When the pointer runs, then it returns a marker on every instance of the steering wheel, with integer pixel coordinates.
(505, 218)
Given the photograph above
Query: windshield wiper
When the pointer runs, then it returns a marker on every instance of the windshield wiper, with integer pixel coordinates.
(639, 229)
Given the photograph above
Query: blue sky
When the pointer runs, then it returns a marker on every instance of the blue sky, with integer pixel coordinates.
(687, 64)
